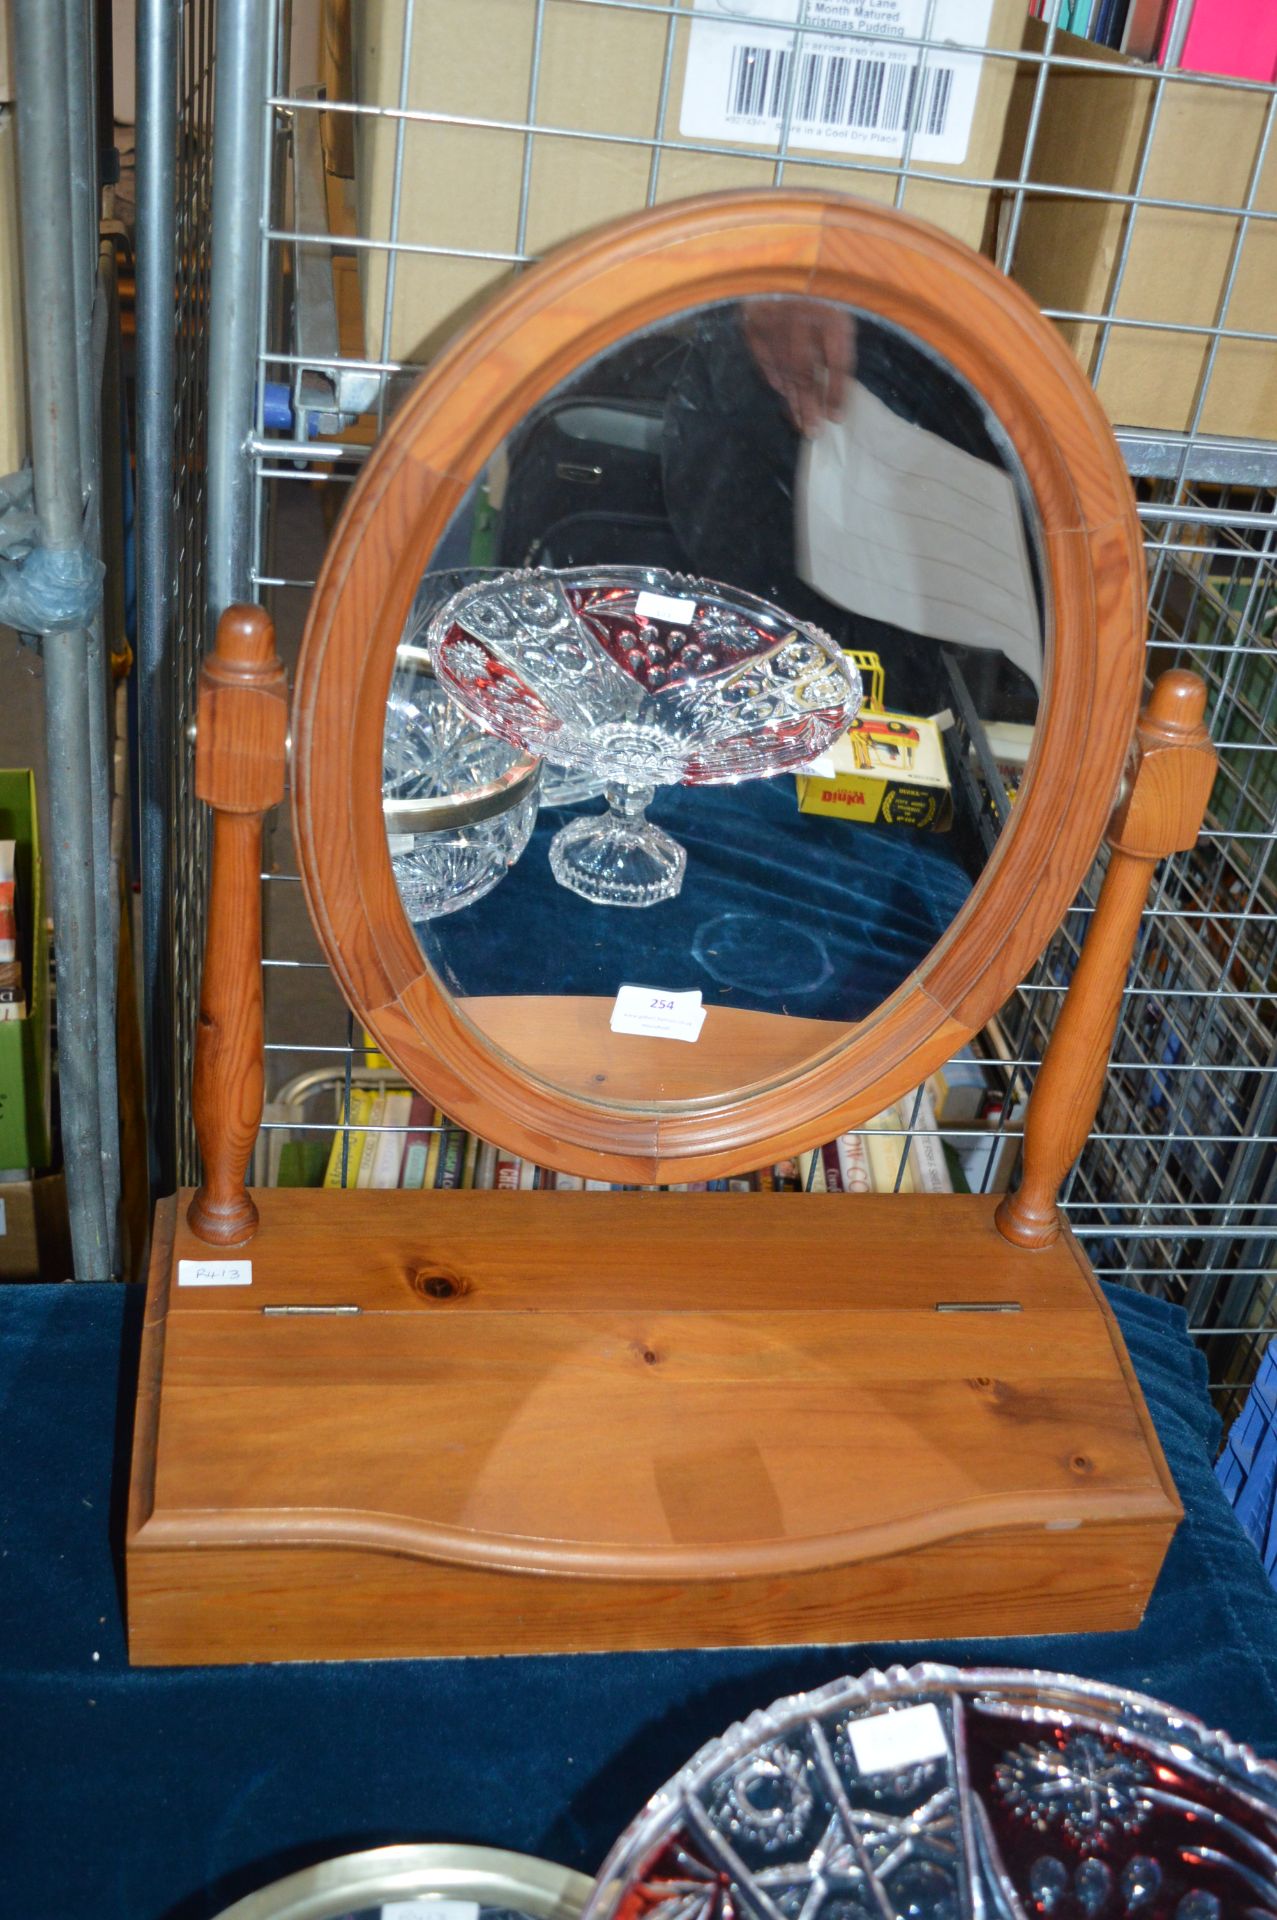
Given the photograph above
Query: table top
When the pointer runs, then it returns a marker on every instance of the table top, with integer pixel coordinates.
(165, 1794)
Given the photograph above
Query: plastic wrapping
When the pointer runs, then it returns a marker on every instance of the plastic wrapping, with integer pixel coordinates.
(41, 591)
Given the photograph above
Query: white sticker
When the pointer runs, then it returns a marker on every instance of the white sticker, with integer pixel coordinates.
(821, 768)
(663, 606)
(400, 843)
(214, 1273)
(426, 1906)
(890, 1741)
(658, 1015)
(845, 96)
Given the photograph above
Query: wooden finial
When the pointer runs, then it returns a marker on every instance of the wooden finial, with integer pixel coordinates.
(240, 759)
(1159, 813)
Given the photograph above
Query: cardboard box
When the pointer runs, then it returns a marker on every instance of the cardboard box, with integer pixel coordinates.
(1091, 134)
(25, 1132)
(35, 1238)
(888, 767)
(601, 71)
(13, 374)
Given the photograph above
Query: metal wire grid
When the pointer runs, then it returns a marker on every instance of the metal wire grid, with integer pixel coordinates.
(1173, 1193)
(190, 819)
(176, 64)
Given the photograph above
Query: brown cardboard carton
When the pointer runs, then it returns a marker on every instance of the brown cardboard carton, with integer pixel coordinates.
(35, 1240)
(600, 75)
(1203, 148)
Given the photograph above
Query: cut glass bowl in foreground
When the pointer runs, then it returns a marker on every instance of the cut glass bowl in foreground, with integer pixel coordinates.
(940, 1794)
(642, 678)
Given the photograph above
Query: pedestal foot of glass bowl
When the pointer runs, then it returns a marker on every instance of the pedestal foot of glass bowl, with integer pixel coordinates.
(618, 858)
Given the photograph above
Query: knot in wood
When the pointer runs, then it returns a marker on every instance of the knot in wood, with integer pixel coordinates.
(437, 1284)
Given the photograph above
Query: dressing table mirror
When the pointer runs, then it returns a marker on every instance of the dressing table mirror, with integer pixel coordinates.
(748, 499)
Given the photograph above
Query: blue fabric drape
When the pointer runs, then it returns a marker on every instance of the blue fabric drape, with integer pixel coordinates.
(162, 1795)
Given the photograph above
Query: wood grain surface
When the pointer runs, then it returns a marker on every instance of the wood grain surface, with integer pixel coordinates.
(567, 1041)
(1172, 774)
(242, 725)
(587, 1420)
(556, 317)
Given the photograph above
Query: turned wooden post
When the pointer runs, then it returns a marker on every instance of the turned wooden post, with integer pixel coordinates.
(240, 754)
(1161, 813)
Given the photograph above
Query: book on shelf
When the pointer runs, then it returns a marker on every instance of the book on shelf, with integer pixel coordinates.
(485, 1166)
(362, 1178)
(452, 1150)
(507, 1171)
(8, 902)
(1145, 24)
(927, 1158)
(889, 1161)
(811, 1172)
(347, 1148)
(1235, 38)
(435, 1147)
(13, 993)
(853, 1164)
(13, 996)
(417, 1142)
(384, 1154)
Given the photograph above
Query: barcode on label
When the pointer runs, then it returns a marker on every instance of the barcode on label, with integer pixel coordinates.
(839, 92)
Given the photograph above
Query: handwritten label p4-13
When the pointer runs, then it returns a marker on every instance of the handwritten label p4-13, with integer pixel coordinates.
(214, 1273)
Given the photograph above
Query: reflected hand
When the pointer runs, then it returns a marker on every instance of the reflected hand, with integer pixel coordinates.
(806, 352)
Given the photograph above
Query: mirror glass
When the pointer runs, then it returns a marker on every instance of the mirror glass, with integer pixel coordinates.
(748, 719)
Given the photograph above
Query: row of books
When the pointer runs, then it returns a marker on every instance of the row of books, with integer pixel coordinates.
(1236, 38)
(396, 1138)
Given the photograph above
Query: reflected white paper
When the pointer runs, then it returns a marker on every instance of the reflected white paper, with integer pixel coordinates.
(898, 525)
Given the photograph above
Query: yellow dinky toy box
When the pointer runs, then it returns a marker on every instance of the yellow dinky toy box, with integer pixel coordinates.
(887, 766)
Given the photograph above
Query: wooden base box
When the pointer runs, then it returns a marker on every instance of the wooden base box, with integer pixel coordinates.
(482, 1423)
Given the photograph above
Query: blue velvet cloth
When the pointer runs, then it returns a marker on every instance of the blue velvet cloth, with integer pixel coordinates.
(779, 912)
(163, 1795)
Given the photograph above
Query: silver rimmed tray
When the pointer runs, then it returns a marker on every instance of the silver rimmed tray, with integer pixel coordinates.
(360, 1885)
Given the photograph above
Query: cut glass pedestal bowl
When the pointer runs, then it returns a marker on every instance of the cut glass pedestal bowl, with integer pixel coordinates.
(641, 678)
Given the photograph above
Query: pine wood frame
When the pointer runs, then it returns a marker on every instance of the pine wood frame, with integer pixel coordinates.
(573, 307)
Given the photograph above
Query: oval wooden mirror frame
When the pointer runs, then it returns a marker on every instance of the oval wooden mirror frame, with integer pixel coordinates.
(561, 314)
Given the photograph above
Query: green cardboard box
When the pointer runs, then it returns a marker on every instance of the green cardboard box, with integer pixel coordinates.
(24, 1044)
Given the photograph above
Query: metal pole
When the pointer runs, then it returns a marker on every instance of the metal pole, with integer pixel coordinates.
(91, 323)
(243, 45)
(107, 928)
(40, 46)
(158, 22)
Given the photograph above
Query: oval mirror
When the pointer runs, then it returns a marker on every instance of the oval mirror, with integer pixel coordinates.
(717, 686)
